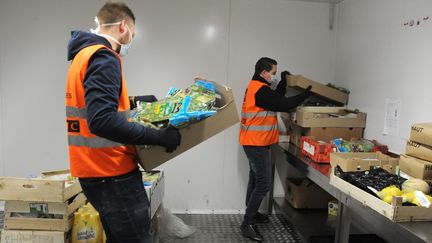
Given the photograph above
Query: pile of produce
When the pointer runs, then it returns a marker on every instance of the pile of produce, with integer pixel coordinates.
(179, 108)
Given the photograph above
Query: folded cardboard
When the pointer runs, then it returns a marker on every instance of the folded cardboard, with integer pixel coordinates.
(415, 167)
(303, 193)
(329, 117)
(354, 161)
(422, 133)
(322, 133)
(194, 134)
(395, 211)
(318, 88)
(419, 150)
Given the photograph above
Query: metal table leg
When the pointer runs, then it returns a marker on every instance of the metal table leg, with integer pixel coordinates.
(343, 223)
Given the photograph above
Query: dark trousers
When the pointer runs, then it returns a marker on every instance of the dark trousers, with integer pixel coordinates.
(123, 206)
(259, 179)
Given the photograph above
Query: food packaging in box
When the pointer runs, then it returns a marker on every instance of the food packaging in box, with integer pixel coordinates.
(419, 150)
(422, 133)
(415, 167)
(196, 133)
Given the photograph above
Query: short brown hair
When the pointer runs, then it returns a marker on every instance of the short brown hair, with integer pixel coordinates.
(113, 12)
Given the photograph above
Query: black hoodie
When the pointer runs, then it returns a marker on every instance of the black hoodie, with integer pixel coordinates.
(102, 86)
(275, 100)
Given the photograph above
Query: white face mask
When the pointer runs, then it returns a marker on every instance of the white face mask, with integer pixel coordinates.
(273, 79)
(124, 48)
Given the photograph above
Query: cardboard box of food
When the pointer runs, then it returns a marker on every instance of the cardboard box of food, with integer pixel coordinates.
(318, 88)
(196, 133)
(395, 211)
(354, 161)
(422, 133)
(329, 117)
(322, 133)
(415, 167)
(303, 193)
(419, 150)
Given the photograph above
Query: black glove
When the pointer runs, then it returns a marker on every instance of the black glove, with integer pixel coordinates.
(169, 138)
(284, 75)
(308, 91)
(146, 98)
(281, 87)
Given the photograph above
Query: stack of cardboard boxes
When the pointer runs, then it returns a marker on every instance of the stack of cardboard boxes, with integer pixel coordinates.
(323, 123)
(416, 162)
(40, 209)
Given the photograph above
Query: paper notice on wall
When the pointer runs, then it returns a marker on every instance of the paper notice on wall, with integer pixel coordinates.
(392, 117)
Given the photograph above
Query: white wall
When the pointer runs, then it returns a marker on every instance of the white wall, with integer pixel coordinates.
(378, 57)
(174, 43)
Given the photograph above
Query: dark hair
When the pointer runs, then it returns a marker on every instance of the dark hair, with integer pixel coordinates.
(264, 63)
(113, 12)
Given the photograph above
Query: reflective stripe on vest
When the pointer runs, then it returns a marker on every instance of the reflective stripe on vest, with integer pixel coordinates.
(89, 154)
(74, 112)
(258, 126)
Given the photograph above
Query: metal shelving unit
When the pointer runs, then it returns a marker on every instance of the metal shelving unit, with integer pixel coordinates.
(351, 211)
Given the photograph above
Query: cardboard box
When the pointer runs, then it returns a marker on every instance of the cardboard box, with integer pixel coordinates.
(196, 133)
(46, 189)
(329, 117)
(422, 133)
(419, 150)
(318, 88)
(322, 133)
(23, 215)
(156, 192)
(28, 236)
(395, 211)
(303, 193)
(415, 167)
(354, 161)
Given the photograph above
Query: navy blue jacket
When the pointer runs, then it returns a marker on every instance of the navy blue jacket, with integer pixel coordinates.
(102, 86)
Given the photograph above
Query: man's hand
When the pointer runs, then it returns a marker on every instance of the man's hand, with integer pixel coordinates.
(170, 138)
(284, 75)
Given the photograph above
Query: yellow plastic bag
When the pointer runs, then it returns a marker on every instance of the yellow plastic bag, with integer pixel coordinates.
(87, 227)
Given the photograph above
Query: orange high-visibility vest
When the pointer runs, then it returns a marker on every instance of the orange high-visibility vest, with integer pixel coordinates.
(258, 126)
(90, 155)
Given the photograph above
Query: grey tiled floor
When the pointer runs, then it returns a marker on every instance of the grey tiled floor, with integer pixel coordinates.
(225, 228)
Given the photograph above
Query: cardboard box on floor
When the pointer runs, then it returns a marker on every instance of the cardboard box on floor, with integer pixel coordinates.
(303, 193)
(355, 161)
(419, 150)
(422, 133)
(318, 88)
(195, 133)
(415, 167)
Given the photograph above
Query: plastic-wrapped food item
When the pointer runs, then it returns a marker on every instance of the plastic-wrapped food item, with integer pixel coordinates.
(179, 107)
(361, 145)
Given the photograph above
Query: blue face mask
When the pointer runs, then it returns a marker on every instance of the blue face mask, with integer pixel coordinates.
(124, 48)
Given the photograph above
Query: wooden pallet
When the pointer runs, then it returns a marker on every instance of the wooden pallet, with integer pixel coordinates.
(38, 189)
(28, 236)
(64, 210)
